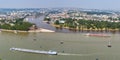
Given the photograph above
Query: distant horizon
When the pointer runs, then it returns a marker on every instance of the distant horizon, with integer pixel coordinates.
(86, 4)
(60, 7)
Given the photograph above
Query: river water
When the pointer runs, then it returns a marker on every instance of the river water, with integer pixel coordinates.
(76, 46)
(39, 22)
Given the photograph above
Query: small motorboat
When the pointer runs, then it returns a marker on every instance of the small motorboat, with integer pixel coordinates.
(109, 45)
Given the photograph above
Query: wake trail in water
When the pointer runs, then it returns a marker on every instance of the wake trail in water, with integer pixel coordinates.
(68, 54)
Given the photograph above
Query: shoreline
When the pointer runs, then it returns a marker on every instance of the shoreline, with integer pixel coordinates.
(41, 30)
(84, 29)
(29, 31)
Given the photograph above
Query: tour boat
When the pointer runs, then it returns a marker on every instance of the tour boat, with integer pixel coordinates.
(34, 51)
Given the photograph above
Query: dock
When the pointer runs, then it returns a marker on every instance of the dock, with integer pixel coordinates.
(34, 51)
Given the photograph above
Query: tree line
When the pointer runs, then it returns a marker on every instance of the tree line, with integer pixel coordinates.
(18, 25)
(89, 24)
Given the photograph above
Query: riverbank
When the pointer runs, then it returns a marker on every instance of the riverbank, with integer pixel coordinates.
(41, 30)
(85, 29)
(30, 31)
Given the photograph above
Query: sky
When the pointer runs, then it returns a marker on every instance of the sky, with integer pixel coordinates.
(89, 4)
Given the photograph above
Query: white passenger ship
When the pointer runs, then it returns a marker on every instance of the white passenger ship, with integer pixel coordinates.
(34, 51)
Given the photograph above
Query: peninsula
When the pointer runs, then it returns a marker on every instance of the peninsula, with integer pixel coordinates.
(14, 20)
(85, 20)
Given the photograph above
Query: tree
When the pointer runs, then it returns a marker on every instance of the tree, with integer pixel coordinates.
(18, 25)
(57, 22)
(5, 26)
(47, 19)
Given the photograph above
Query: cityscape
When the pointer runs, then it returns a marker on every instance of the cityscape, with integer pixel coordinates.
(58, 30)
(70, 18)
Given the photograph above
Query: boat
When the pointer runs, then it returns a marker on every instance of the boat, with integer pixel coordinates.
(50, 52)
(109, 45)
(98, 35)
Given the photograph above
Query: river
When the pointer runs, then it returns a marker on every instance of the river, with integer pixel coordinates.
(40, 24)
(76, 46)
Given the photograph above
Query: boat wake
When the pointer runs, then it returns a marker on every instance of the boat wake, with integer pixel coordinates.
(69, 54)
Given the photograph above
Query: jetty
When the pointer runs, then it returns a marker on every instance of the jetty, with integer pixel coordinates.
(35, 51)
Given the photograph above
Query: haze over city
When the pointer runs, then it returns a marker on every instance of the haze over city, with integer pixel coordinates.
(89, 4)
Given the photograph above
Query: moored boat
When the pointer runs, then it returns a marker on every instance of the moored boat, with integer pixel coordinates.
(99, 35)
